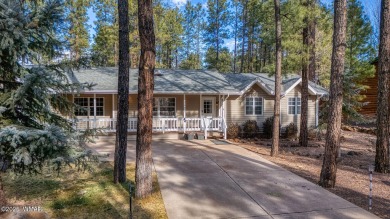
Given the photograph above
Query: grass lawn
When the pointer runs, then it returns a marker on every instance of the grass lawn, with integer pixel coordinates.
(75, 194)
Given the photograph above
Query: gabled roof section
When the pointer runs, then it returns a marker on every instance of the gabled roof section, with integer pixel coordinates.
(244, 81)
(314, 89)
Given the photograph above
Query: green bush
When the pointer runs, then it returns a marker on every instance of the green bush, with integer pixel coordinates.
(291, 131)
(233, 130)
(268, 125)
(250, 128)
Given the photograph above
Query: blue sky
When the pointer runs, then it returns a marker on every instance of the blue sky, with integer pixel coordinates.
(369, 5)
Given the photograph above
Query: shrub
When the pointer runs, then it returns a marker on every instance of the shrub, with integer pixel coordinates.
(233, 130)
(291, 131)
(268, 125)
(250, 128)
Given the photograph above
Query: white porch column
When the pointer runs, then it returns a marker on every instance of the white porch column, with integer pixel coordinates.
(219, 105)
(224, 117)
(205, 128)
(200, 106)
(94, 110)
(280, 114)
(113, 110)
(317, 107)
(184, 113)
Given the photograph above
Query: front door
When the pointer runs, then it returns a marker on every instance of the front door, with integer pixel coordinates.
(208, 107)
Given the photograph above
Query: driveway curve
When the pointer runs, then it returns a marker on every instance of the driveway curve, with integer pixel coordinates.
(199, 179)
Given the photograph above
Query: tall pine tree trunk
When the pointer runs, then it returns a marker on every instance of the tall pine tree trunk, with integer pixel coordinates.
(329, 165)
(3, 200)
(307, 68)
(278, 80)
(305, 89)
(235, 37)
(382, 142)
(143, 175)
(312, 50)
(217, 29)
(123, 93)
(244, 14)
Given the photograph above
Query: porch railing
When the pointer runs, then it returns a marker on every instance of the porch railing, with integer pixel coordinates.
(159, 124)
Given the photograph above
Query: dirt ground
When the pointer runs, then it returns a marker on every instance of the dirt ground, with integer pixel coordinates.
(357, 152)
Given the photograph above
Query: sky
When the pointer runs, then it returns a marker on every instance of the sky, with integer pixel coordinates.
(369, 6)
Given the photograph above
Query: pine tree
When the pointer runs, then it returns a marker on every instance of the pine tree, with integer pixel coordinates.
(235, 32)
(192, 36)
(105, 46)
(382, 142)
(216, 30)
(123, 93)
(224, 63)
(278, 80)
(168, 28)
(143, 174)
(359, 54)
(329, 165)
(188, 23)
(308, 67)
(77, 18)
(32, 134)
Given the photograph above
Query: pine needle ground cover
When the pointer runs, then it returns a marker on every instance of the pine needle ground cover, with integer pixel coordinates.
(75, 194)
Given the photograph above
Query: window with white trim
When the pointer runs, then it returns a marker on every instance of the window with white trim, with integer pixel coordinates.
(164, 107)
(86, 106)
(294, 105)
(253, 106)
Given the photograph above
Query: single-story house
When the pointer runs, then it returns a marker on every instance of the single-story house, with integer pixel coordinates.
(194, 100)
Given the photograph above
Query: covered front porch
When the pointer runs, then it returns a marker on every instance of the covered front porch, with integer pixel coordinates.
(184, 113)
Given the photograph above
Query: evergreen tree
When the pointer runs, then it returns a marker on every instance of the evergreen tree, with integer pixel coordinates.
(382, 143)
(77, 18)
(143, 174)
(278, 80)
(105, 46)
(236, 5)
(192, 62)
(32, 133)
(123, 93)
(358, 55)
(308, 67)
(329, 165)
(224, 64)
(168, 30)
(193, 25)
(216, 31)
(135, 47)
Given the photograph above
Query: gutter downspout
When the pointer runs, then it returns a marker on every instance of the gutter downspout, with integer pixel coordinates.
(224, 118)
(317, 110)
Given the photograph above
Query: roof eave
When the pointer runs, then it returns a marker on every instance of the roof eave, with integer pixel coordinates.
(260, 84)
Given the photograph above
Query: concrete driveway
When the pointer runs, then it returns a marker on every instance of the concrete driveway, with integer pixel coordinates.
(199, 179)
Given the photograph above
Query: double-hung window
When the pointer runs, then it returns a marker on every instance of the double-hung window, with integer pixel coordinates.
(294, 105)
(86, 106)
(253, 106)
(164, 107)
